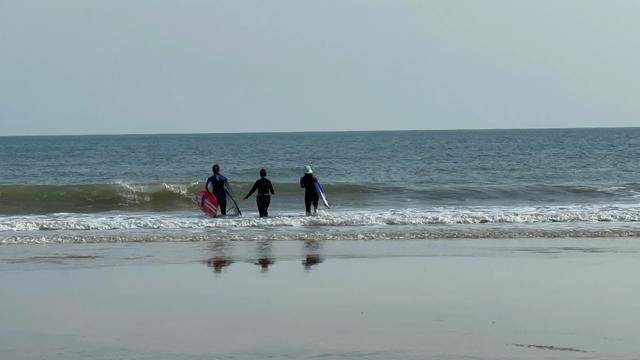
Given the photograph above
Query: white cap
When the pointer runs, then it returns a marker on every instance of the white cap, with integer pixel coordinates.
(307, 169)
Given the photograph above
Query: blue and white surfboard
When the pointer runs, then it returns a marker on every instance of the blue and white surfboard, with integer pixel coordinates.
(320, 191)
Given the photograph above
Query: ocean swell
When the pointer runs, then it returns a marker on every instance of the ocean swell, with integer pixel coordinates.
(167, 197)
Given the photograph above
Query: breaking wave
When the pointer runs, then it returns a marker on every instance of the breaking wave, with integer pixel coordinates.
(436, 216)
(166, 197)
(443, 222)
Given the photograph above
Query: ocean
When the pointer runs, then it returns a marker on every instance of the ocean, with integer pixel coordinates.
(381, 185)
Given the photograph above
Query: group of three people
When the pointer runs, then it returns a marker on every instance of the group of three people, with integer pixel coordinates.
(219, 185)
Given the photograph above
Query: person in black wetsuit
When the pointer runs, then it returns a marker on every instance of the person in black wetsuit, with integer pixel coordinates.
(308, 182)
(218, 183)
(265, 190)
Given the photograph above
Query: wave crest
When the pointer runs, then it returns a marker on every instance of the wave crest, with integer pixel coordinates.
(166, 196)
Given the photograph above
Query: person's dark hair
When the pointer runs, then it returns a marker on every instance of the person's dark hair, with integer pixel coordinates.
(263, 172)
(215, 168)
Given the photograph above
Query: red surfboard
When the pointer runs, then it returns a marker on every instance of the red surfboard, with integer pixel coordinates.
(208, 204)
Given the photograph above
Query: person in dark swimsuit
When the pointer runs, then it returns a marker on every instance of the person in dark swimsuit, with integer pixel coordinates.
(308, 183)
(265, 190)
(219, 184)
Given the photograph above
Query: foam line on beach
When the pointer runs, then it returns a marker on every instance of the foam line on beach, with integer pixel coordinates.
(413, 233)
(434, 216)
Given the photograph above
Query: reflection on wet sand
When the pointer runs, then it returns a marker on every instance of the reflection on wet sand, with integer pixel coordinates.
(264, 263)
(312, 255)
(265, 257)
(220, 259)
(311, 260)
(218, 263)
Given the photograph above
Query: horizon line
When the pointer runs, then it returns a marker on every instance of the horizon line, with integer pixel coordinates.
(320, 131)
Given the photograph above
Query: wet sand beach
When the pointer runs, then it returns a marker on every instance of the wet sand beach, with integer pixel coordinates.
(413, 299)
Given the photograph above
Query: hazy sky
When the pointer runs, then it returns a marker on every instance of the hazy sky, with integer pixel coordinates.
(157, 66)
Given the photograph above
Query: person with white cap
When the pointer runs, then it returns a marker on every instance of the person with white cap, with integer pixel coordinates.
(308, 183)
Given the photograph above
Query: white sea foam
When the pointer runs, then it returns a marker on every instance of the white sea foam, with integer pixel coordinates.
(257, 234)
(435, 216)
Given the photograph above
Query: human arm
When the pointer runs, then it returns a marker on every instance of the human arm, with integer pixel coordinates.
(271, 188)
(253, 189)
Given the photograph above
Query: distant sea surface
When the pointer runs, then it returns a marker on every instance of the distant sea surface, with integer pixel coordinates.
(381, 185)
